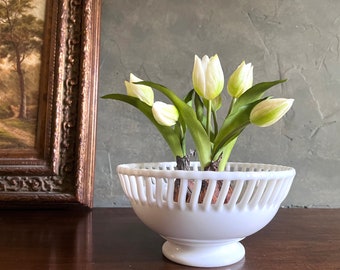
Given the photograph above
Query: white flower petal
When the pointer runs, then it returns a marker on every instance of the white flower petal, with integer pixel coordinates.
(165, 114)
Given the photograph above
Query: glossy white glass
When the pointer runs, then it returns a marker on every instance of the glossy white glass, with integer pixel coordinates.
(207, 233)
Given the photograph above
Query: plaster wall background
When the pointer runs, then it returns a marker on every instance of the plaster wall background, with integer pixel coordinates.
(294, 39)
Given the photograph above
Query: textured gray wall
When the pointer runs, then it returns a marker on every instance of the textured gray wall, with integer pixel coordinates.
(157, 40)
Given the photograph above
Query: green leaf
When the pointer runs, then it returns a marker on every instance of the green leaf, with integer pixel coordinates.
(216, 103)
(215, 124)
(254, 93)
(226, 151)
(188, 98)
(180, 130)
(232, 126)
(198, 134)
(168, 133)
(199, 108)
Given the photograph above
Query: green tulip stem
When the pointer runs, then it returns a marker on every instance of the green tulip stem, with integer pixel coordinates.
(226, 151)
(232, 102)
(215, 122)
(183, 141)
(208, 118)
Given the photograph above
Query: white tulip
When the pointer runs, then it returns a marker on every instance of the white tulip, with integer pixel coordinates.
(165, 114)
(143, 92)
(270, 111)
(241, 80)
(207, 77)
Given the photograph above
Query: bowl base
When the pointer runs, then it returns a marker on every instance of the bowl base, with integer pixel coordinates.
(204, 255)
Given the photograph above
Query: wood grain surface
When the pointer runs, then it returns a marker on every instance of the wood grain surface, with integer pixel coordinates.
(114, 238)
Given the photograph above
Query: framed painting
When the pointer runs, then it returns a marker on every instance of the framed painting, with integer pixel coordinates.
(49, 54)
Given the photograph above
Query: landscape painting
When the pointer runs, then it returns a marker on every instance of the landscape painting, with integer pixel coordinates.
(21, 40)
(49, 63)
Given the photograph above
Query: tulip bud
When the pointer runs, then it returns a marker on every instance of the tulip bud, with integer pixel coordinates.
(165, 114)
(143, 92)
(270, 111)
(207, 77)
(241, 80)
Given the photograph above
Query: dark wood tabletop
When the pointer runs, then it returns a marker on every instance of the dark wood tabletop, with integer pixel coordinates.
(114, 238)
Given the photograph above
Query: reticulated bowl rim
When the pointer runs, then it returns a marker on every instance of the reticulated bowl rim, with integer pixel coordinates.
(167, 169)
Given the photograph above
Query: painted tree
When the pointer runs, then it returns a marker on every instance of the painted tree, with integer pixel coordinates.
(20, 36)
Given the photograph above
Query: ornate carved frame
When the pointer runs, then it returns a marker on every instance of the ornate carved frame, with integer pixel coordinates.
(60, 171)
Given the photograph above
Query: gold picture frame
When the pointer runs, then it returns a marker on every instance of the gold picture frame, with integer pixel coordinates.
(59, 169)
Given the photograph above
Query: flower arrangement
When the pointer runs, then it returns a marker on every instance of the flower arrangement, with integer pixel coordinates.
(197, 111)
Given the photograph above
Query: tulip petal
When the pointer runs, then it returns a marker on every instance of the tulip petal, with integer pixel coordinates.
(165, 114)
(269, 111)
(205, 61)
(240, 80)
(143, 92)
(198, 77)
(207, 77)
(214, 78)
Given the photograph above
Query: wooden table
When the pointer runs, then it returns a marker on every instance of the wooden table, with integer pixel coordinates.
(115, 239)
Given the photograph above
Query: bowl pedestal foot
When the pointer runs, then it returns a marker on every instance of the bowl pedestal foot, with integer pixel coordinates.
(204, 255)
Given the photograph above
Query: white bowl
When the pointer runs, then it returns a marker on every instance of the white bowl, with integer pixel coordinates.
(205, 233)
